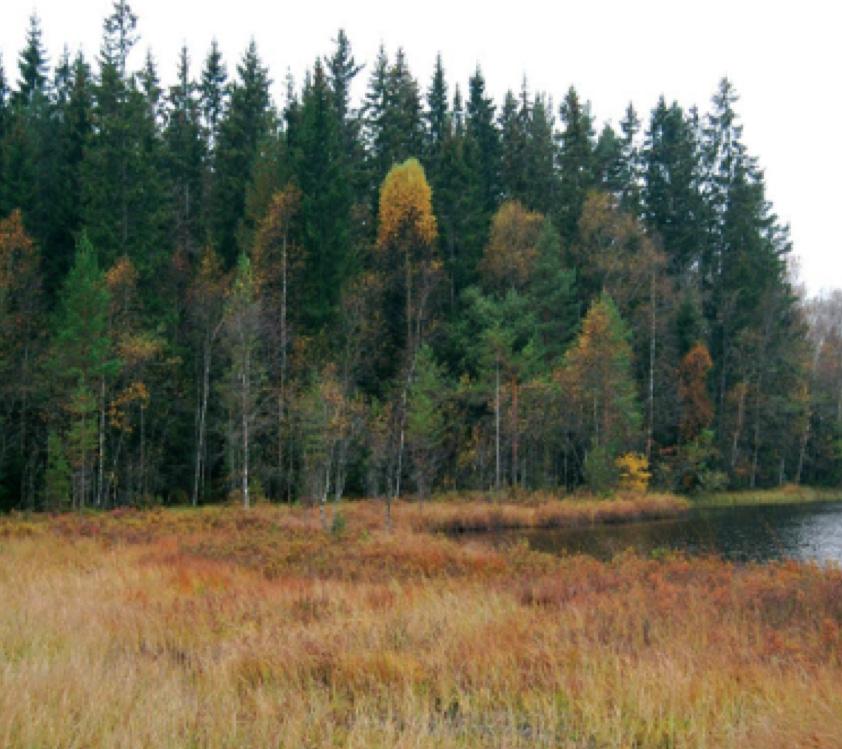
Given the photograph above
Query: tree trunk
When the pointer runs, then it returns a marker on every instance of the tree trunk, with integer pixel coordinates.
(738, 428)
(650, 427)
(497, 427)
(202, 425)
(515, 445)
(245, 428)
(101, 460)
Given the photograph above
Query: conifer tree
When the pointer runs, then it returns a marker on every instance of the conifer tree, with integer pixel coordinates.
(21, 347)
(83, 358)
(576, 162)
(425, 420)
(213, 92)
(322, 174)
(184, 158)
(247, 122)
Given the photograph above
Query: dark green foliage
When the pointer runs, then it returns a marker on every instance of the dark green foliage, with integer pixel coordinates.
(472, 347)
(577, 168)
(247, 122)
(322, 172)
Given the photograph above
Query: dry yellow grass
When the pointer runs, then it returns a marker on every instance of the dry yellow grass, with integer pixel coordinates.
(224, 629)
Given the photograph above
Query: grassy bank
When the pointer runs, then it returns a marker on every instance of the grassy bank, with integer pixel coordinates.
(451, 513)
(220, 628)
(787, 494)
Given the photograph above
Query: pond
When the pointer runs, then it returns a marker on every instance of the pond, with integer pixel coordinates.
(805, 532)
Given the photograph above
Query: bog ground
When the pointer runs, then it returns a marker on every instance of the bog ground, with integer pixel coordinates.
(222, 628)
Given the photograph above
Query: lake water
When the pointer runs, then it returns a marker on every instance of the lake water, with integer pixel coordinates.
(807, 532)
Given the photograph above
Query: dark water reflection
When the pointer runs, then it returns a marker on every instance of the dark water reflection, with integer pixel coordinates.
(799, 531)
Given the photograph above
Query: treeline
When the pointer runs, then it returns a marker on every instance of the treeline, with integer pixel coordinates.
(203, 294)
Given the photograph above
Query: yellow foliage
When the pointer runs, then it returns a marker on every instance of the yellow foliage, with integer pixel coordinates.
(138, 348)
(118, 409)
(406, 207)
(634, 472)
(513, 245)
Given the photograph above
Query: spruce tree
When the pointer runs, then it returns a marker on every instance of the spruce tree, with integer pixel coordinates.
(184, 158)
(576, 162)
(83, 358)
(322, 173)
(247, 123)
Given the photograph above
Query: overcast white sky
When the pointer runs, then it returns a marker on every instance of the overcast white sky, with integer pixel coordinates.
(784, 58)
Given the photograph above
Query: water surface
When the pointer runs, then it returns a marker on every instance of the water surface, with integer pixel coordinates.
(806, 532)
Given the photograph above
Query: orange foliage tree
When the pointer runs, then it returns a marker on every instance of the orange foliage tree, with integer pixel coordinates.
(696, 406)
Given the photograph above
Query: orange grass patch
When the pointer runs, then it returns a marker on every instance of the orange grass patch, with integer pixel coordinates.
(219, 629)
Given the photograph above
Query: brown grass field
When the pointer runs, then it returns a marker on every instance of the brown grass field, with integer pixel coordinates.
(223, 628)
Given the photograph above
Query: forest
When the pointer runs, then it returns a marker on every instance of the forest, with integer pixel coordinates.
(207, 295)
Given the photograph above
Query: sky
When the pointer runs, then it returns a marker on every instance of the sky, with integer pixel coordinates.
(783, 57)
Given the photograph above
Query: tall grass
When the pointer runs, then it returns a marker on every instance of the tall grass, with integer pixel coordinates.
(220, 629)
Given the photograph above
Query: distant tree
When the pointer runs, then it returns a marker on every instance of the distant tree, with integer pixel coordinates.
(245, 378)
(21, 347)
(83, 358)
(512, 248)
(244, 126)
(600, 382)
(696, 406)
(205, 313)
(576, 162)
(278, 268)
(406, 238)
(425, 420)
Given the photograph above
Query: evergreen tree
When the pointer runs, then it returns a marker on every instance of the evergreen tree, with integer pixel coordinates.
(483, 145)
(83, 358)
(213, 94)
(247, 122)
(322, 173)
(540, 158)
(21, 347)
(513, 123)
(437, 117)
(425, 423)
(576, 162)
(184, 158)
(341, 69)
(671, 201)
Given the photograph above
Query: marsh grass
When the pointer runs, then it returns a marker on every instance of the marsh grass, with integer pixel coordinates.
(786, 494)
(224, 629)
